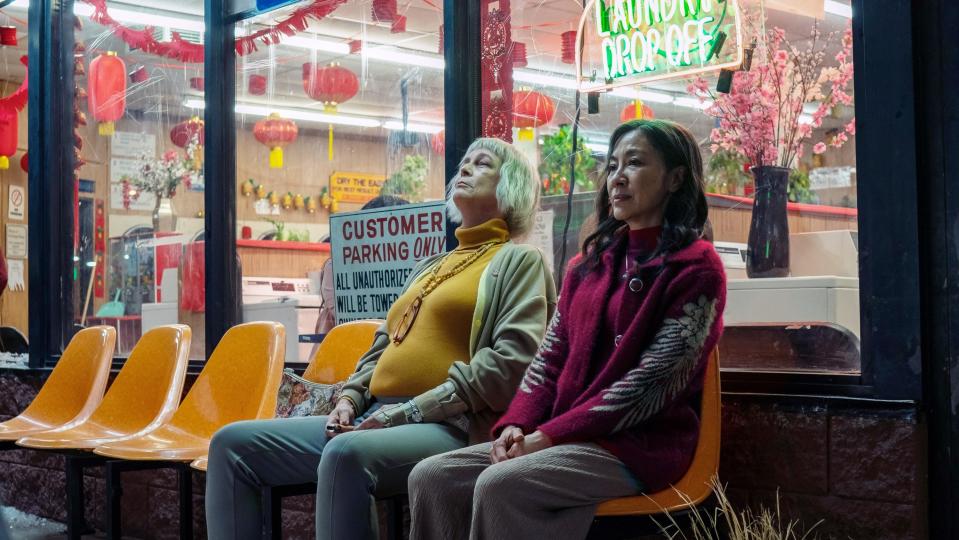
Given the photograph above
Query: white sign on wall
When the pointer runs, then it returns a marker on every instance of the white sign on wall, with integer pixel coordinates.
(17, 200)
(126, 143)
(119, 168)
(374, 251)
(541, 236)
(16, 241)
(831, 177)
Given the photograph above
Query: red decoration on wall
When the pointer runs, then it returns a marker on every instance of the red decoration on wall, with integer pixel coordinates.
(331, 85)
(637, 110)
(197, 83)
(18, 99)
(8, 36)
(383, 10)
(399, 25)
(569, 46)
(356, 45)
(9, 126)
(439, 48)
(496, 74)
(531, 110)
(25, 162)
(438, 142)
(184, 51)
(257, 85)
(107, 91)
(275, 132)
(519, 54)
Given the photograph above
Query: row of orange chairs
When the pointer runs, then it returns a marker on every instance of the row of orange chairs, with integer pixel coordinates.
(141, 419)
(141, 422)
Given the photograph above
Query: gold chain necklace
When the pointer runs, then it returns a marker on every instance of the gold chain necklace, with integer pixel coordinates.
(432, 282)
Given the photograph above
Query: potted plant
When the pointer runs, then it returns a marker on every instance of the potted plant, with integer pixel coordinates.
(762, 118)
(554, 167)
(408, 182)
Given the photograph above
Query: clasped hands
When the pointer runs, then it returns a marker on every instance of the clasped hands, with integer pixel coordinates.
(344, 414)
(513, 443)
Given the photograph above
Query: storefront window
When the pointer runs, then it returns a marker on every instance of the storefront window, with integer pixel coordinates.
(138, 248)
(338, 111)
(13, 188)
(800, 310)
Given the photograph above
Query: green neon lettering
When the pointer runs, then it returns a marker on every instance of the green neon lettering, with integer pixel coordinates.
(602, 19)
(620, 24)
(609, 53)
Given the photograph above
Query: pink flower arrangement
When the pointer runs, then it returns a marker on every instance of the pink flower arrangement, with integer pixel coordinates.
(161, 177)
(762, 115)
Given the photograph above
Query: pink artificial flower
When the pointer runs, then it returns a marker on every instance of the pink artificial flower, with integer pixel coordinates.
(851, 127)
(819, 148)
(169, 155)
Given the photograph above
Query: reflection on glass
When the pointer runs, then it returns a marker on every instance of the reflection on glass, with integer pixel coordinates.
(347, 108)
(804, 122)
(140, 169)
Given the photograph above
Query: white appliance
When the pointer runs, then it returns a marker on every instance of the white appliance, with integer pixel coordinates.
(829, 299)
(823, 286)
(291, 302)
(156, 314)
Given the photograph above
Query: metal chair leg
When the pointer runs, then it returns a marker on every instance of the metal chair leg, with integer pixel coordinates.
(76, 523)
(185, 484)
(114, 495)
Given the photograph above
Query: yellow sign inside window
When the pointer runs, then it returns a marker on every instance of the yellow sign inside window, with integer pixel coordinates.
(352, 187)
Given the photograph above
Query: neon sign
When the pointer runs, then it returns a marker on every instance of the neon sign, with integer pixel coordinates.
(628, 42)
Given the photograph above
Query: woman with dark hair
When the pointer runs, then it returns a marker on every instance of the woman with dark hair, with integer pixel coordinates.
(609, 405)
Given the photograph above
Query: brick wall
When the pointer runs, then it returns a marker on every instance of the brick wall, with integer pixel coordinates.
(858, 468)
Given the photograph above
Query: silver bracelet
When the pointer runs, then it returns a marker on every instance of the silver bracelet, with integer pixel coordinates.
(414, 415)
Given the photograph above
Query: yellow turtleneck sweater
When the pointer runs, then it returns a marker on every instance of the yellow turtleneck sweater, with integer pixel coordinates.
(441, 333)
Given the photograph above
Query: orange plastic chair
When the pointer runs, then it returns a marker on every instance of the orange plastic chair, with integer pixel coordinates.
(695, 485)
(335, 359)
(239, 382)
(143, 396)
(337, 355)
(74, 389)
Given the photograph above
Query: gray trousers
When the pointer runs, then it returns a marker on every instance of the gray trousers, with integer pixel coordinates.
(550, 494)
(351, 470)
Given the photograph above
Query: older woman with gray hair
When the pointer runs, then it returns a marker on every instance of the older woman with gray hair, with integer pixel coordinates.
(441, 370)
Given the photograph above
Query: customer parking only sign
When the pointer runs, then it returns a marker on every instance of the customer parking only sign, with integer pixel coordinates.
(374, 251)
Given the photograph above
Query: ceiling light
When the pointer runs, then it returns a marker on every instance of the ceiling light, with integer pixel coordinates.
(534, 77)
(597, 147)
(316, 44)
(692, 103)
(294, 114)
(838, 8)
(140, 18)
(645, 95)
(396, 56)
(418, 128)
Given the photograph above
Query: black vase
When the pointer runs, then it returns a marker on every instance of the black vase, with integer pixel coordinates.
(768, 248)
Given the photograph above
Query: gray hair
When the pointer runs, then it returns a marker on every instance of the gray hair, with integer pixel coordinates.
(517, 193)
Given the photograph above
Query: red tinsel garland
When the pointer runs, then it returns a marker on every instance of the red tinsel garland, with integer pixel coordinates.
(184, 51)
(18, 99)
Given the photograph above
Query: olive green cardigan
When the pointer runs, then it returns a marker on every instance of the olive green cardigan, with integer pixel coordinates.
(515, 300)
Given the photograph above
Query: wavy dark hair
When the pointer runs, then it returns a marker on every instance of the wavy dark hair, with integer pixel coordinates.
(686, 208)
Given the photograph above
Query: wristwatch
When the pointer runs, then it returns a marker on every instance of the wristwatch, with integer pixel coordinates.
(415, 415)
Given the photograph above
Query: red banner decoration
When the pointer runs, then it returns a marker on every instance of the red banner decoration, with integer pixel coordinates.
(569, 46)
(184, 51)
(9, 126)
(18, 99)
(438, 142)
(519, 54)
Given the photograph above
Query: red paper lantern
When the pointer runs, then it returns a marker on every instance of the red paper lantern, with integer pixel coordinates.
(8, 135)
(331, 84)
(637, 110)
(569, 46)
(275, 132)
(25, 163)
(257, 85)
(107, 95)
(531, 110)
(519, 54)
(438, 142)
(182, 133)
(383, 10)
(8, 35)
(139, 75)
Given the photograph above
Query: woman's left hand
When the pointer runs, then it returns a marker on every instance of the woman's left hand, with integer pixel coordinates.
(534, 442)
(373, 421)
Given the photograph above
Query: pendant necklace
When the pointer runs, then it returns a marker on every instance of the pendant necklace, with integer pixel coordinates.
(635, 283)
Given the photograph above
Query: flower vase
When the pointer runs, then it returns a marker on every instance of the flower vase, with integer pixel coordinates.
(156, 215)
(768, 246)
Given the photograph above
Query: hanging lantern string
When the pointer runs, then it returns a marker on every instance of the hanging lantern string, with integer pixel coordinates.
(180, 49)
